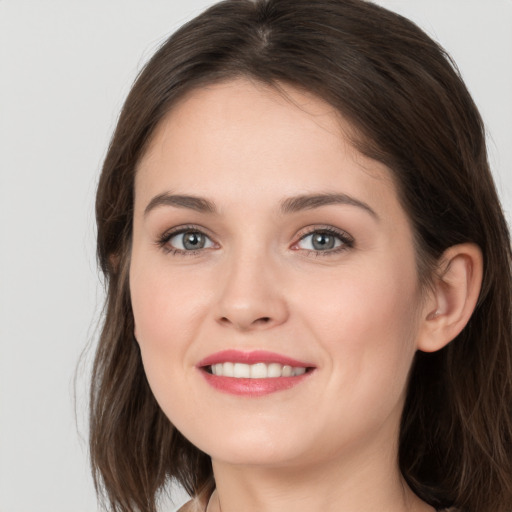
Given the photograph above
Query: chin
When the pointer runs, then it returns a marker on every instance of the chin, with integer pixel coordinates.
(259, 453)
(241, 443)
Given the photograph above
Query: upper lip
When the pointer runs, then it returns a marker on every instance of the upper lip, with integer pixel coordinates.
(251, 357)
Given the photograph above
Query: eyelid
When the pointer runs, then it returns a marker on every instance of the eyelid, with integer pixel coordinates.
(165, 237)
(347, 241)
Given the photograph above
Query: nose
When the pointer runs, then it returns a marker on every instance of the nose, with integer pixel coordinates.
(252, 296)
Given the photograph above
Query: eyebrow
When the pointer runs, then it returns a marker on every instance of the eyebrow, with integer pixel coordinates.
(289, 205)
(311, 201)
(198, 204)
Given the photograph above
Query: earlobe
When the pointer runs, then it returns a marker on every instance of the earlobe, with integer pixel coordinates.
(453, 298)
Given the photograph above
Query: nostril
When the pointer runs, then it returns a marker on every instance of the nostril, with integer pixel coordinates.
(264, 320)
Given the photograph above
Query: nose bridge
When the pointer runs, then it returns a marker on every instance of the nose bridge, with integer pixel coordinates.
(251, 296)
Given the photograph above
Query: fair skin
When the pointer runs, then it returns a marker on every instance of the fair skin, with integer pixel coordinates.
(331, 283)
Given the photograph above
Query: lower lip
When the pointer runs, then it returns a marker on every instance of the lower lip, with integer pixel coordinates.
(252, 387)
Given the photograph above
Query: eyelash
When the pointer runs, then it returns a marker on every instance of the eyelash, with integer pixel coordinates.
(163, 240)
(347, 242)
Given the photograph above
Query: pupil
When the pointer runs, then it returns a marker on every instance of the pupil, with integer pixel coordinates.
(323, 241)
(193, 241)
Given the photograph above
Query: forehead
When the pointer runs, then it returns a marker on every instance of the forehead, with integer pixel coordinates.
(227, 137)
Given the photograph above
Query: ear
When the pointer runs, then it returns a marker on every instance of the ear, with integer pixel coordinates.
(453, 298)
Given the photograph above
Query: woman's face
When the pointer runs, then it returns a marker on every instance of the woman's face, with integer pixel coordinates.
(273, 280)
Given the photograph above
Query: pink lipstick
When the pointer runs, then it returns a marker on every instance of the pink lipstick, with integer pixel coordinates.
(254, 373)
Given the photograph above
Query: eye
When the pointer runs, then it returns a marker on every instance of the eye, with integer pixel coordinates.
(325, 240)
(186, 240)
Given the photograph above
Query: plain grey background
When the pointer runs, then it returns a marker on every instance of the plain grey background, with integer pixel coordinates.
(65, 68)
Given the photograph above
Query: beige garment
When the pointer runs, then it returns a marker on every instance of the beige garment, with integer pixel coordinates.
(197, 504)
(194, 505)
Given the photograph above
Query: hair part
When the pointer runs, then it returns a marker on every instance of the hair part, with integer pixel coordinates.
(411, 111)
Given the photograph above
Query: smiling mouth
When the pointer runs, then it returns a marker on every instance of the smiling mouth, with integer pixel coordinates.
(255, 371)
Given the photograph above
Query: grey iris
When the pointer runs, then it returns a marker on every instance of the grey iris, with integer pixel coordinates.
(323, 241)
(193, 240)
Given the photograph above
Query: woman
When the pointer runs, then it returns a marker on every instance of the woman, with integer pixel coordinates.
(308, 273)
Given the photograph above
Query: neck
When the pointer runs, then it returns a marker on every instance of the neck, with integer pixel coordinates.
(335, 486)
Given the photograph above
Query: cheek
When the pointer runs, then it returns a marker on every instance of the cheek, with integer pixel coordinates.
(166, 308)
(366, 326)
(367, 322)
(159, 312)
(167, 315)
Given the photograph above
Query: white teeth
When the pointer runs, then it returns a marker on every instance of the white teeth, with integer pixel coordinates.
(256, 371)
(287, 371)
(259, 371)
(274, 370)
(242, 371)
(228, 369)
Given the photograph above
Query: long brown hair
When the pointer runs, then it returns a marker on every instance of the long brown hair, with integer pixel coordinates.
(410, 109)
